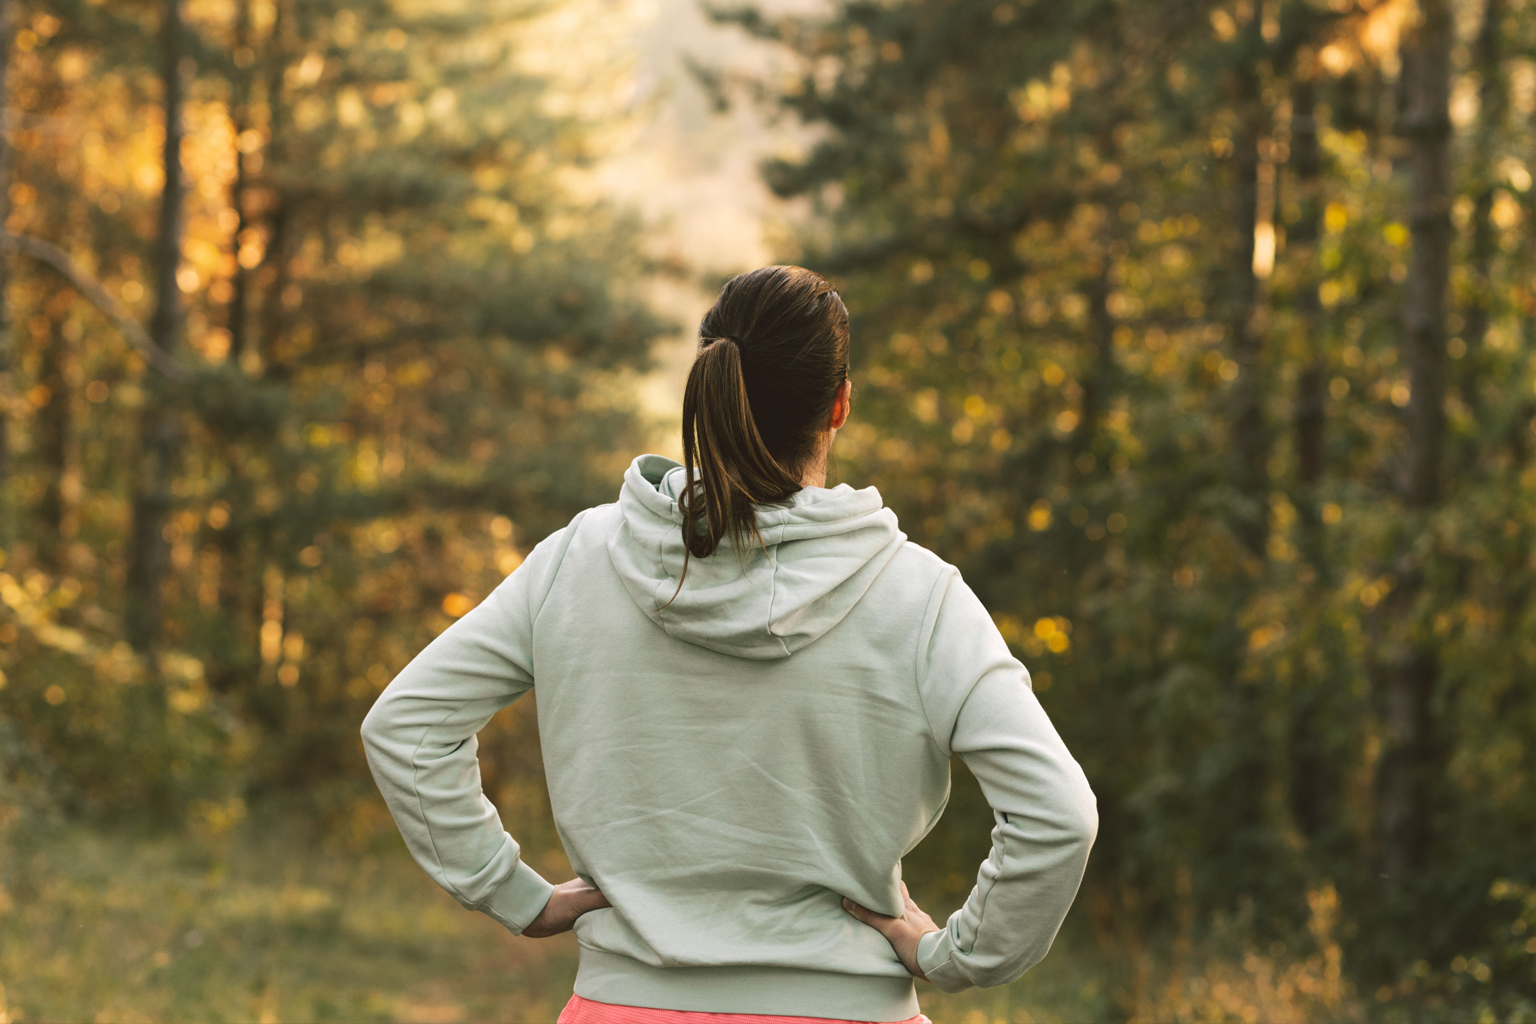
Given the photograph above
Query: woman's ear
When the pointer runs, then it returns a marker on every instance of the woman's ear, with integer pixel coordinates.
(842, 405)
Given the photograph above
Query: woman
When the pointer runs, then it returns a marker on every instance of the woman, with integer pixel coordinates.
(749, 690)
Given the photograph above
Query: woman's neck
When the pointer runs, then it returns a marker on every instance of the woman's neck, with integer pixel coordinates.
(815, 472)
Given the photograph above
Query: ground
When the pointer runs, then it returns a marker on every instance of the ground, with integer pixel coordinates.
(271, 924)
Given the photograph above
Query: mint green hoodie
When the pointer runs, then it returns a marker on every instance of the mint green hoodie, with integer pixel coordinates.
(728, 764)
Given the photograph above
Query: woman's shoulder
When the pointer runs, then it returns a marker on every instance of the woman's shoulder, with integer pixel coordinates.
(914, 561)
(914, 580)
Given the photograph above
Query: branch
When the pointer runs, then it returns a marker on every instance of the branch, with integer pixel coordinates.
(92, 289)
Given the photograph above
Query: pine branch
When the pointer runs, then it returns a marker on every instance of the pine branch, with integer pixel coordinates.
(93, 290)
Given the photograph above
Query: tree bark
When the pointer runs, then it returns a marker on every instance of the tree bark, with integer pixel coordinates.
(160, 428)
(1250, 444)
(7, 345)
(1492, 114)
(1309, 770)
(1412, 670)
(270, 277)
(238, 314)
(59, 509)
(1311, 401)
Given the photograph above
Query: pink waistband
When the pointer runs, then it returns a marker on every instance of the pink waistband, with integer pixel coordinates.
(587, 1011)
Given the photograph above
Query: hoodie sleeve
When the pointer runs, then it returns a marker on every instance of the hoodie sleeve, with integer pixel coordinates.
(421, 746)
(980, 706)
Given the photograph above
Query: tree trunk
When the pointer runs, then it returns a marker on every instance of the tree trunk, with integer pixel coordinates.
(1412, 672)
(1311, 400)
(1492, 114)
(1309, 773)
(1250, 445)
(7, 345)
(160, 427)
(238, 314)
(59, 509)
(270, 277)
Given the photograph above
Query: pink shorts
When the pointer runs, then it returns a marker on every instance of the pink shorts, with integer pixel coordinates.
(586, 1011)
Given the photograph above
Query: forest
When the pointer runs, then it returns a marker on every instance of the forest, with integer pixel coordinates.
(1195, 333)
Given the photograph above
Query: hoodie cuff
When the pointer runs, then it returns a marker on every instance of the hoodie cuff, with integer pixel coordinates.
(935, 960)
(519, 899)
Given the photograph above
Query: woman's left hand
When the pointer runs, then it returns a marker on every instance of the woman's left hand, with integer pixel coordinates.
(903, 933)
(568, 902)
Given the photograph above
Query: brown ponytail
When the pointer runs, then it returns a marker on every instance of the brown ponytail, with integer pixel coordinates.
(773, 353)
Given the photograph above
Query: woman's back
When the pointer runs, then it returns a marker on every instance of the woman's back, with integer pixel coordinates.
(743, 792)
(747, 718)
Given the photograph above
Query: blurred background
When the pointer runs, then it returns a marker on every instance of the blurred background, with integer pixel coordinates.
(1196, 333)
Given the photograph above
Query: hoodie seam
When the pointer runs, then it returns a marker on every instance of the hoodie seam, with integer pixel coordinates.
(661, 560)
(773, 588)
(559, 559)
(981, 911)
(925, 641)
(421, 808)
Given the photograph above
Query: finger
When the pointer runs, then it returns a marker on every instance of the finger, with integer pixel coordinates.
(877, 921)
(863, 913)
(584, 896)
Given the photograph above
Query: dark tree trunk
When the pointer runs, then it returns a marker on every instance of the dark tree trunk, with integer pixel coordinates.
(1492, 114)
(160, 426)
(58, 510)
(1311, 394)
(239, 304)
(1250, 444)
(270, 277)
(225, 671)
(1412, 670)
(7, 347)
(1309, 774)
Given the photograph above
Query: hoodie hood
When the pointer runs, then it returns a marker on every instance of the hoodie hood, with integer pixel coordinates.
(819, 556)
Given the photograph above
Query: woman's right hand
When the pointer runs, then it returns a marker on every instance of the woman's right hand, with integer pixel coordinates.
(901, 932)
(568, 902)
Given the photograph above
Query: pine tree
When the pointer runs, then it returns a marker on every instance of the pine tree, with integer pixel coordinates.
(1170, 459)
(401, 344)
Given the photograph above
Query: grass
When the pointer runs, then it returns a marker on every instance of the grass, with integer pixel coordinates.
(245, 921)
(270, 924)
(100, 927)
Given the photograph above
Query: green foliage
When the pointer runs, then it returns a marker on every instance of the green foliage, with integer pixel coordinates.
(1122, 353)
(408, 338)
(1070, 382)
